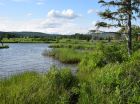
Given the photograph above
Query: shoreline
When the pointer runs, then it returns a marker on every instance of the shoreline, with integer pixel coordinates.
(5, 46)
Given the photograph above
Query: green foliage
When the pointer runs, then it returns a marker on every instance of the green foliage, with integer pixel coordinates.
(135, 32)
(135, 56)
(5, 46)
(106, 75)
(136, 46)
(27, 40)
(122, 15)
(55, 87)
(91, 61)
(74, 46)
(65, 55)
(115, 53)
(101, 24)
(112, 84)
(117, 82)
(103, 54)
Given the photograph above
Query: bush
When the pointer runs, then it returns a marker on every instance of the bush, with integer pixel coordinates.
(114, 53)
(112, 84)
(136, 46)
(91, 61)
(103, 55)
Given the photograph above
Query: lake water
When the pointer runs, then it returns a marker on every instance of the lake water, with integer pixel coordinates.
(22, 57)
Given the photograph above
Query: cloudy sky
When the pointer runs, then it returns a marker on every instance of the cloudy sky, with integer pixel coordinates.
(49, 16)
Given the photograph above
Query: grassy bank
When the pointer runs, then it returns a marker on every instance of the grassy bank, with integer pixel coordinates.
(106, 75)
(28, 40)
(110, 84)
(5, 46)
(55, 87)
(72, 43)
(100, 51)
(65, 55)
(109, 76)
(74, 46)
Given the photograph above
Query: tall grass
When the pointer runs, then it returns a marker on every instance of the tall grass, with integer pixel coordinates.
(28, 40)
(65, 55)
(112, 84)
(106, 75)
(73, 43)
(74, 46)
(103, 55)
(5, 46)
(55, 87)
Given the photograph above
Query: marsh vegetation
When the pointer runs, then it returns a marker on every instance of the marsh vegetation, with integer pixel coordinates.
(108, 66)
(105, 75)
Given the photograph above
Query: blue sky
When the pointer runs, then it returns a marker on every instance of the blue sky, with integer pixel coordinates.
(49, 16)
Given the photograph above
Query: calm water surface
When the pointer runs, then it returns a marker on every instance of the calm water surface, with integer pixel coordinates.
(22, 57)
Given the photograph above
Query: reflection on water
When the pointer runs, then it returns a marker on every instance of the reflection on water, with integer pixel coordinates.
(22, 57)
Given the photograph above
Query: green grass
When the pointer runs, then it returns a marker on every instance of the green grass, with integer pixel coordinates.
(112, 84)
(65, 55)
(74, 46)
(106, 75)
(54, 87)
(28, 40)
(73, 43)
(5, 46)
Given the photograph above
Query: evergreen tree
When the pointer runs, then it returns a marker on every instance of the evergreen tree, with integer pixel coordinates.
(121, 15)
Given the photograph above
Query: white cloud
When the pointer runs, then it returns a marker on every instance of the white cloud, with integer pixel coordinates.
(48, 25)
(40, 3)
(9, 25)
(67, 14)
(91, 11)
(64, 24)
(29, 14)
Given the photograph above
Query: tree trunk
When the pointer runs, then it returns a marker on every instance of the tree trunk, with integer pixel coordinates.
(129, 44)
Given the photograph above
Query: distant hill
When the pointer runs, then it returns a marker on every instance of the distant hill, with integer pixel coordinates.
(27, 34)
(99, 34)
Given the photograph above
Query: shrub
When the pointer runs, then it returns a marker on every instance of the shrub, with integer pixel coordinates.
(112, 84)
(91, 61)
(103, 55)
(136, 46)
